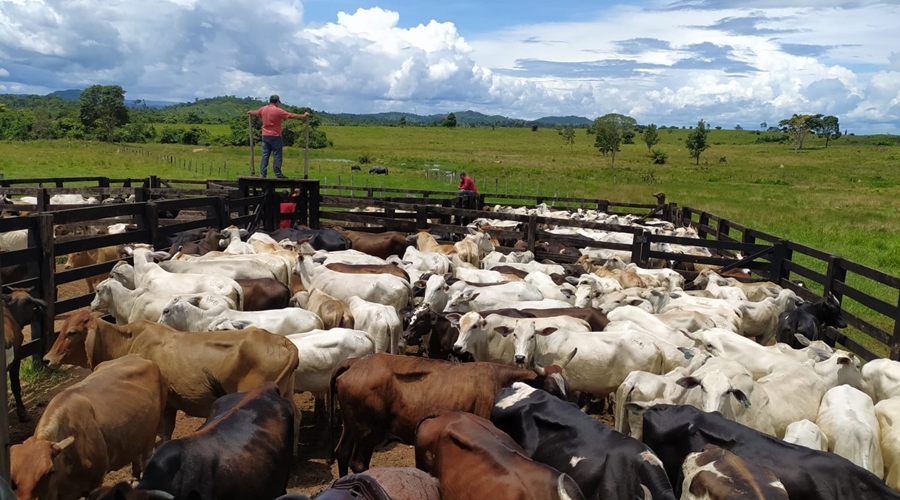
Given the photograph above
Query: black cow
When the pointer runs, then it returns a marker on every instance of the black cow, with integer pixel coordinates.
(378, 170)
(320, 239)
(178, 240)
(809, 319)
(673, 432)
(355, 167)
(242, 451)
(604, 463)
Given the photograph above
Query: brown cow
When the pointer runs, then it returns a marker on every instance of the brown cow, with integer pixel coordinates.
(334, 313)
(240, 359)
(103, 423)
(717, 474)
(263, 294)
(391, 269)
(592, 316)
(91, 257)
(380, 483)
(425, 242)
(381, 245)
(473, 459)
(385, 396)
(18, 311)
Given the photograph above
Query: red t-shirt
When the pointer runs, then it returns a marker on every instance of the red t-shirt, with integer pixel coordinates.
(272, 116)
(468, 184)
(287, 208)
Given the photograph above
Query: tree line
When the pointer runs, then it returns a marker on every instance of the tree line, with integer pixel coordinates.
(101, 113)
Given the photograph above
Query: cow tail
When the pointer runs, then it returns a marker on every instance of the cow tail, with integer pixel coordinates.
(622, 395)
(338, 370)
(214, 385)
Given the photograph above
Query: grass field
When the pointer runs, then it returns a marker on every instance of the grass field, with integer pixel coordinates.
(844, 199)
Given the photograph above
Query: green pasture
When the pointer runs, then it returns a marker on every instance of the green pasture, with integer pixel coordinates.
(844, 199)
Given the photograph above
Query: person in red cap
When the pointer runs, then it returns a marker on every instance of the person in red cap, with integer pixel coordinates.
(272, 143)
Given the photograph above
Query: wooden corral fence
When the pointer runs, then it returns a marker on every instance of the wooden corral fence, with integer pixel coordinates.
(215, 204)
(253, 202)
(832, 273)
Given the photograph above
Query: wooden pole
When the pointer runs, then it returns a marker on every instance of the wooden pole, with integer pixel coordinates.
(306, 152)
(250, 129)
(4, 421)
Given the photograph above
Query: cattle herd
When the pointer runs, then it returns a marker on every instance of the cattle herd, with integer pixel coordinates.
(485, 362)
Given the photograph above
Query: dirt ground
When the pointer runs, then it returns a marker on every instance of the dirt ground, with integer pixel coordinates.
(309, 475)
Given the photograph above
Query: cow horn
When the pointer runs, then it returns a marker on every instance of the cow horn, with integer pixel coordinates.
(647, 495)
(159, 495)
(539, 369)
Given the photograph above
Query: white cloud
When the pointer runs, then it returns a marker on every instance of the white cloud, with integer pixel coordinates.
(723, 60)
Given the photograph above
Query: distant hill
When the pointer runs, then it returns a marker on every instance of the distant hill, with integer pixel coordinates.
(224, 109)
(66, 95)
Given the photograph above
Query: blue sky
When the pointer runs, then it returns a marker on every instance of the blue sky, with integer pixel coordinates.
(669, 62)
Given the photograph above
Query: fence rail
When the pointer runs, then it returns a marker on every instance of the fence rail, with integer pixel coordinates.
(254, 202)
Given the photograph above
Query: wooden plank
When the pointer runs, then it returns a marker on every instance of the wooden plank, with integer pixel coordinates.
(109, 240)
(94, 212)
(805, 272)
(866, 327)
(700, 259)
(186, 203)
(185, 226)
(74, 303)
(16, 223)
(746, 248)
(30, 348)
(79, 273)
(809, 251)
(870, 302)
(872, 274)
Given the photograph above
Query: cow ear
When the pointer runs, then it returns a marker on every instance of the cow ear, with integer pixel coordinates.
(473, 296)
(802, 339)
(547, 331)
(89, 341)
(7, 297)
(503, 330)
(454, 319)
(62, 445)
(569, 358)
(741, 397)
(688, 382)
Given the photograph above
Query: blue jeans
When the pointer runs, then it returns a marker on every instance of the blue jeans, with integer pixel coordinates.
(271, 145)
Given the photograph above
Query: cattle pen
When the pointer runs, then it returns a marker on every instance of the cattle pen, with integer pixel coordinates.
(53, 231)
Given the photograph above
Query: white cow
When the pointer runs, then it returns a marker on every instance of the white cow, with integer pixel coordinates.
(806, 433)
(381, 322)
(233, 243)
(882, 379)
(887, 411)
(414, 259)
(549, 289)
(847, 417)
(320, 351)
(346, 257)
(472, 275)
(469, 300)
(280, 265)
(629, 317)
(473, 247)
(760, 319)
(488, 338)
(379, 288)
(128, 305)
(601, 360)
(185, 315)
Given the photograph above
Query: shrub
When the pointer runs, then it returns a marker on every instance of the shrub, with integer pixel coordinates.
(658, 156)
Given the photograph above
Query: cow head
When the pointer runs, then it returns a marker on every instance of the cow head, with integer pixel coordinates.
(421, 321)
(832, 315)
(471, 328)
(76, 337)
(123, 272)
(524, 337)
(718, 388)
(33, 467)
(22, 305)
(174, 312)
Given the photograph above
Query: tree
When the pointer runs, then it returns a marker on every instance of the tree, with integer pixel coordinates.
(651, 136)
(829, 129)
(567, 133)
(610, 130)
(42, 128)
(402, 121)
(696, 141)
(763, 125)
(799, 126)
(103, 108)
(738, 127)
(450, 121)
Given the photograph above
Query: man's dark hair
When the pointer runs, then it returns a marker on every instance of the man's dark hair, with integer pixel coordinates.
(462, 174)
(274, 99)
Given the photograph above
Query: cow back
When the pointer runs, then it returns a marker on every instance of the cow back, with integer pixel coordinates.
(243, 450)
(604, 463)
(673, 432)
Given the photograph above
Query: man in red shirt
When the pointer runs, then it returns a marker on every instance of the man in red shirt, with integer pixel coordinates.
(466, 183)
(272, 143)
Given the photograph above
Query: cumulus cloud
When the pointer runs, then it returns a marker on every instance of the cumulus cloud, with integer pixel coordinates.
(726, 61)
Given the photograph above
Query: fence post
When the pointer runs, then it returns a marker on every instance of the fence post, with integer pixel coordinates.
(723, 228)
(43, 323)
(104, 183)
(532, 232)
(776, 269)
(895, 339)
(422, 217)
(314, 201)
(836, 272)
(43, 200)
(150, 222)
(640, 247)
(704, 221)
